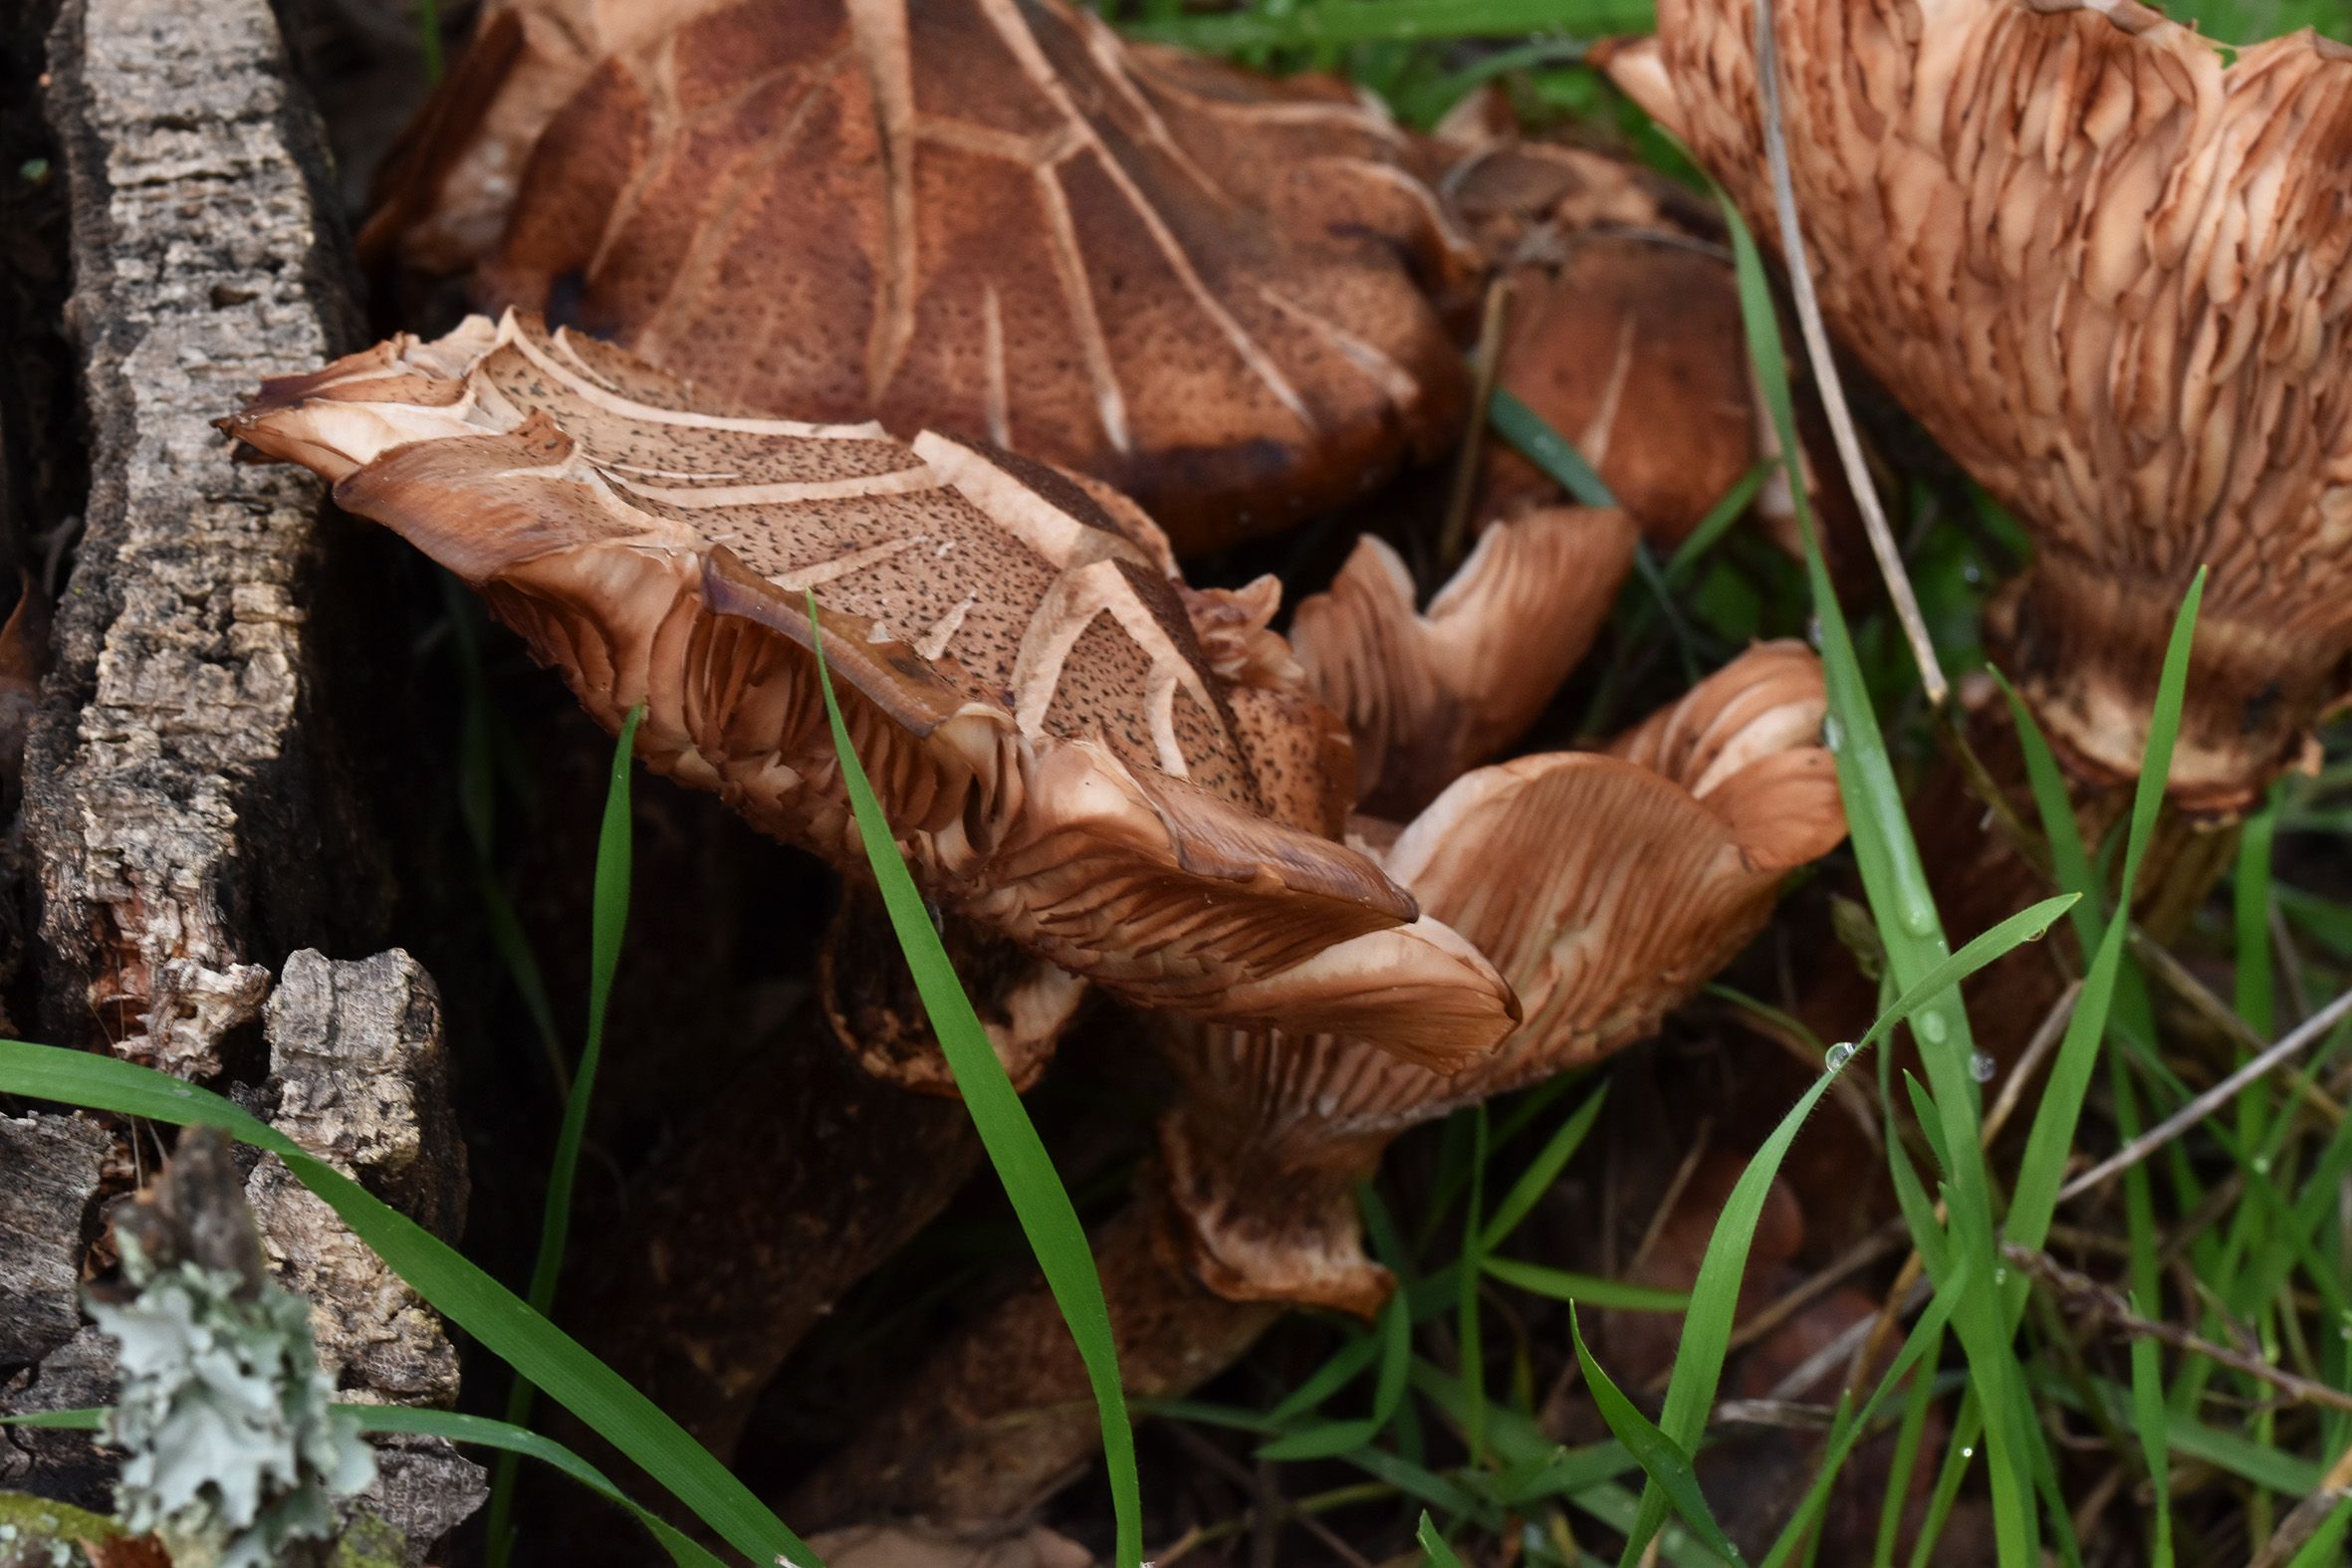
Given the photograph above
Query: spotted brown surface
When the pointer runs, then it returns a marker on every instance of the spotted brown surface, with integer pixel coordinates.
(988, 217)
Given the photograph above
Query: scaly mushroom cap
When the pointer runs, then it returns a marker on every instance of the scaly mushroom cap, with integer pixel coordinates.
(1429, 693)
(1624, 334)
(1021, 677)
(2109, 274)
(442, 198)
(994, 218)
(1606, 887)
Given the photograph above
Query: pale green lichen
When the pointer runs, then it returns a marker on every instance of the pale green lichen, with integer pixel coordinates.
(232, 1453)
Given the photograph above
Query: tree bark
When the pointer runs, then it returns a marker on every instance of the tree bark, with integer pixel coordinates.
(190, 812)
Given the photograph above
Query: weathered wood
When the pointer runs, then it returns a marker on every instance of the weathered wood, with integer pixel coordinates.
(357, 1062)
(167, 814)
(189, 813)
(52, 1166)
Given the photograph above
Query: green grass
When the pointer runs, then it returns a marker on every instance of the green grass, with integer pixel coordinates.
(1047, 1217)
(608, 918)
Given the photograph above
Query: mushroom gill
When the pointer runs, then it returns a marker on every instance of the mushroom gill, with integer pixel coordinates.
(1606, 886)
(1021, 677)
(995, 219)
(1429, 693)
(2108, 272)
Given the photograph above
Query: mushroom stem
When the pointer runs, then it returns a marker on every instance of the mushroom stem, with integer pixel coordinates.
(1606, 887)
(805, 1175)
(1000, 1416)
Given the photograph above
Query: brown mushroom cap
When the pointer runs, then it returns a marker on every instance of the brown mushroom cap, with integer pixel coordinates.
(443, 195)
(1022, 680)
(1624, 334)
(996, 219)
(1429, 693)
(2109, 273)
(1604, 887)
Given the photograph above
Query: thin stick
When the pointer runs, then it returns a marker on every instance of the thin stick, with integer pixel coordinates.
(1833, 397)
(1489, 359)
(1859, 1257)
(2308, 1516)
(2046, 1039)
(2297, 1039)
(2080, 1294)
(1271, 1505)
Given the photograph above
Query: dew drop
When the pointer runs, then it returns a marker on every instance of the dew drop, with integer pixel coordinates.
(1981, 1066)
(1968, 1452)
(2001, 1277)
(1833, 733)
(1930, 1028)
(1839, 1055)
(2262, 1163)
(1919, 917)
(1814, 631)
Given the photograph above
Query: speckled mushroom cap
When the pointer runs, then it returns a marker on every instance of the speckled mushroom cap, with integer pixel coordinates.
(1623, 333)
(996, 219)
(1067, 760)
(1605, 886)
(2108, 272)
(1429, 693)
(448, 184)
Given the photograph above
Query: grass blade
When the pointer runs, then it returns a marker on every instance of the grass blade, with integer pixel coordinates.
(1660, 1457)
(1926, 1334)
(1559, 1285)
(1434, 1544)
(1714, 1297)
(2042, 1170)
(1541, 1170)
(1042, 1205)
(500, 1320)
(1912, 932)
(608, 919)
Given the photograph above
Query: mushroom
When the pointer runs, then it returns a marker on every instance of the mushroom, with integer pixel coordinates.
(1605, 886)
(806, 1172)
(444, 194)
(1063, 758)
(1428, 694)
(997, 220)
(2108, 272)
(1624, 334)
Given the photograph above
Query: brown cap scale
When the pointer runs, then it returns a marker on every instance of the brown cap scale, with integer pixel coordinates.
(996, 219)
(1022, 679)
(1606, 885)
(2108, 272)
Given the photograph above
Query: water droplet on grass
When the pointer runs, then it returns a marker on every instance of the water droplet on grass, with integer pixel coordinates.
(1981, 1066)
(1839, 1055)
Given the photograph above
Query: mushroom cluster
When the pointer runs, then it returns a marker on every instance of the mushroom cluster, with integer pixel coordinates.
(1605, 886)
(2107, 270)
(927, 335)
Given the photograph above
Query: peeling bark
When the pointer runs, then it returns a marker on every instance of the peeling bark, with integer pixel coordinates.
(190, 812)
(167, 813)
